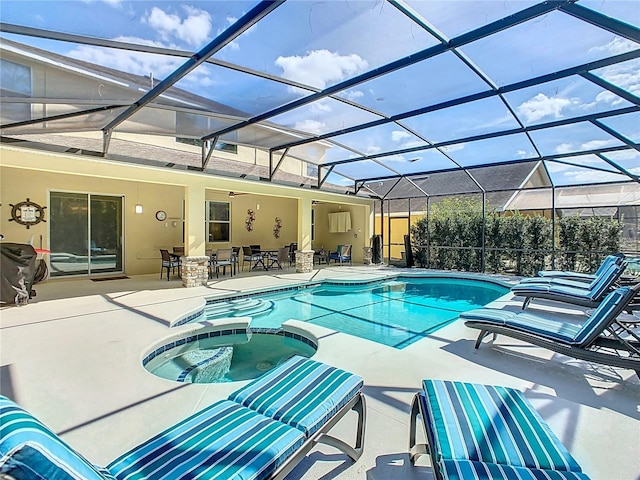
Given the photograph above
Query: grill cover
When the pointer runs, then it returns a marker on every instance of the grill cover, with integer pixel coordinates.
(17, 272)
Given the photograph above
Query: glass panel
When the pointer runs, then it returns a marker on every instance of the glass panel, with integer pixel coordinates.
(218, 232)
(627, 159)
(508, 147)
(577, 137)
(324, 116)
(69, 231)
(219, 211)
(140, 22)
(627, 125)
(563, 174)
(623, 75)
(363, 169)
(106, 234)
(469, 119)
(432, 81)
(14, 78)
(383, 138)
(237, 93)
(624, 10)
(420, 161)
(552, 42)
(305, 41)
(455, 18)
(569, 97)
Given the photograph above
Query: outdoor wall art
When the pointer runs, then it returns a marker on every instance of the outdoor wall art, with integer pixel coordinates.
(251, 217)
(276, 227)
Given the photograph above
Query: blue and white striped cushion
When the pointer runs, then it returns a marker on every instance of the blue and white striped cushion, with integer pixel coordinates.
(223, 441)
(600, 286)
(491, 424)
(468, 470)
(301, 392)
(29, 450)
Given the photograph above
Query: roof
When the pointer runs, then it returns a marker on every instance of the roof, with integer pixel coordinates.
(365, 91)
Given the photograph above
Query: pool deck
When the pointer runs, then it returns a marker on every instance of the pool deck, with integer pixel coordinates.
(72, 356)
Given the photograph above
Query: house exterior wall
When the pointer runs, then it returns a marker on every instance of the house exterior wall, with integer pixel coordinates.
(33, 174)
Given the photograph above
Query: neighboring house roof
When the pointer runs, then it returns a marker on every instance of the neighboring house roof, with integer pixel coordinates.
(500, 182)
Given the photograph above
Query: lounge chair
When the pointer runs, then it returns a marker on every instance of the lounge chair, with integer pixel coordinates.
(260, 432)
(602, 338)
(583, 278)
(486, 432)
(568, 291)
(342, 254)
(587, 277)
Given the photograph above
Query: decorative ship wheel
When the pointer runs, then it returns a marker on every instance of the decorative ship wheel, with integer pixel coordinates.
(27, 213)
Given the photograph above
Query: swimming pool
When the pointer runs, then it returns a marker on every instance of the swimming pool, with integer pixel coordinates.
(395, 312)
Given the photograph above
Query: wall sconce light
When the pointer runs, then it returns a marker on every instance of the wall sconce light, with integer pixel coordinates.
(138, 208)
(232, 195)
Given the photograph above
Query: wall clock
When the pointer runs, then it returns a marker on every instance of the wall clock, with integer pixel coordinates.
(27, 213)
(161, 215)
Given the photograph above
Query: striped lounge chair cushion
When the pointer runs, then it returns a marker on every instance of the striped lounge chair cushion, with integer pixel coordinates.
(29, 450)
(491, 424)
(302, 393)
(468, 470)
(223, 441)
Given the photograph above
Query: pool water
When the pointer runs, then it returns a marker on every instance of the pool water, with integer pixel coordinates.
(396, 313)
(227, 358)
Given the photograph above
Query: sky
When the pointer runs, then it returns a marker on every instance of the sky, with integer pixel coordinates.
(301, 41)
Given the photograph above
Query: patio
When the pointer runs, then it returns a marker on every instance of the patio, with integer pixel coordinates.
(72, 356)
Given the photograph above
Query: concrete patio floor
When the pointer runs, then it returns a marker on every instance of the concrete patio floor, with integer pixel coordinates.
(72, 357)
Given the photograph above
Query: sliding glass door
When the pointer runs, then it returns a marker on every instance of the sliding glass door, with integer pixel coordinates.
(85, 233)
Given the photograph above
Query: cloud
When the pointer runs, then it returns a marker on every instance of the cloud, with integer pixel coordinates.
(565, 148)
(542, 106)
(373, 149)
(131, 62)
(453, 148)
(352, 94)
(594, 144)
(398, 135)
(194, 28)
(311, 126)
(616, 46)
(320, 68)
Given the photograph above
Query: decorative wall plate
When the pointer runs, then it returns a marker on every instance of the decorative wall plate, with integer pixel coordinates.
(27, 213)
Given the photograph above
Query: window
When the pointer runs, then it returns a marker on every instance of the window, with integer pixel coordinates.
(218, 222)
(313, 224)
(221, 146)
(15, 81)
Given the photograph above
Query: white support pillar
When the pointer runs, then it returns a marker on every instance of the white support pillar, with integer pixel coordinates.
(304, 223)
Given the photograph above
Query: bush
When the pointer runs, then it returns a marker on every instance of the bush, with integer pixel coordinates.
(515, 243)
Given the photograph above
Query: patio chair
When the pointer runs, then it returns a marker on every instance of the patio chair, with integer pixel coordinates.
(223, 258)
(248, 256)
(547, 275)
(569, 291)
(170, 262)
(342, 254)
(279, 259)
(260, 432)
(293, 246)
(602, 338)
